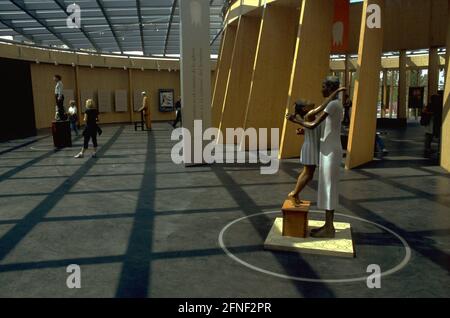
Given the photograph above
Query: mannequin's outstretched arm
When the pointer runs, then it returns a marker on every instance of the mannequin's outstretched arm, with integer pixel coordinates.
(320, 108)
(310, 124)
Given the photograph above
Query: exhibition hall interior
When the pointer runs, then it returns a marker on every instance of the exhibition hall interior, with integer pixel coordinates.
(225, 149)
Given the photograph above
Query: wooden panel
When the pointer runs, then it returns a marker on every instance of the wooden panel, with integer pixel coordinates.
(87, 60)
(117, 62)
(63, 57)
(439, 18)
(121, 100)
(98, 79)
(44, 90)
(9, 51)
(364, 116)
(311, 65)
(85, 95)
(223, 67)
(240, 74)
(272, 69)
(105, 101)
(409, 24)
(151, 81)
(34, 54)
(68, 96)
(433, 72)
(445, 139)
(354, 27)
(402, 111)
(137, 100)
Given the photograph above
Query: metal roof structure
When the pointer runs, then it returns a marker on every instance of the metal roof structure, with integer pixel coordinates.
(141, 27)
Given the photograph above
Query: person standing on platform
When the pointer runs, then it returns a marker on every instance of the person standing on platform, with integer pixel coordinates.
(73, 117)
(91, 129)
(145, 111)
(330, 154)
(59, 98)
(178, 113)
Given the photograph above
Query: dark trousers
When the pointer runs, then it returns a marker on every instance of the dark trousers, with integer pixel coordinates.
(346, 120)
(177, 119)
(60, 105)
(90, 135)
(428, 141)
(73, 126)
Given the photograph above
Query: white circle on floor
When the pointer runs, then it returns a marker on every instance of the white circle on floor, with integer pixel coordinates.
(391, 271)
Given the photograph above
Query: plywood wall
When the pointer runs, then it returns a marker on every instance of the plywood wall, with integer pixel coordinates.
(240, 75)
(151, 81)
(96, 79)
(272, 69)
(99, 79)
(222, 71)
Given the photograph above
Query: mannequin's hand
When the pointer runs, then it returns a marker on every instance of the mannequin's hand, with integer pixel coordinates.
(290, 117)
(300, 131)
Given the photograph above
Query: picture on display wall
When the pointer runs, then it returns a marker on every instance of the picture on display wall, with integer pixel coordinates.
(166, 100)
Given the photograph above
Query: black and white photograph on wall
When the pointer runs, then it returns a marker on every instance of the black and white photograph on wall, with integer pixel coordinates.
(166, 103)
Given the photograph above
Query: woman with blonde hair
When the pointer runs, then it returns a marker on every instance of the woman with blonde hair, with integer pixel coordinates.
(91, 128)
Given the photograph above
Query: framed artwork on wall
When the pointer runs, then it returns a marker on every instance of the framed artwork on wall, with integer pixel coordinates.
(104, 101)
(121, 100)
(166, 100)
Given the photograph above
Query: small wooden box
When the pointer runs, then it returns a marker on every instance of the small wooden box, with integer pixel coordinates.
(295, 219)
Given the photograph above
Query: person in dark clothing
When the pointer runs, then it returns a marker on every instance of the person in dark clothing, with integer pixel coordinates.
(432, 122)
(347, 110)
(178, 110)
(91, 129)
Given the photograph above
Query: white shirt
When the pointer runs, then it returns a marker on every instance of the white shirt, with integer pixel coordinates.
(72, 110)
(331, 136)
(59, 88)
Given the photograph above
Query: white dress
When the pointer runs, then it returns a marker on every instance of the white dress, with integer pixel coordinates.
(330, 157)
(309, 155)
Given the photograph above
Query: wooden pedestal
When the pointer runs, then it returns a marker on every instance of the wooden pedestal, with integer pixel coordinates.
(61, 134)
(295, 219)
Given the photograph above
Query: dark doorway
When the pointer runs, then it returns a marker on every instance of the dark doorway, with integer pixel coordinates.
(16, 96)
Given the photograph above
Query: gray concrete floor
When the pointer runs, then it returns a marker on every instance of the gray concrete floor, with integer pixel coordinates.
(141, 226)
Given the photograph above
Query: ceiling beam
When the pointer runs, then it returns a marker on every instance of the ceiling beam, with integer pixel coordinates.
(216, 37)
(22, 6)
(105, 15)
(141, 26)
(63, 7)
(21, 31)
(172, 11)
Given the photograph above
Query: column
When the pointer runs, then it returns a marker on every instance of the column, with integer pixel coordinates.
(445, 139)
(433, 72)
(402, 108)
(364, 115)
(385, 101)
(195, 74)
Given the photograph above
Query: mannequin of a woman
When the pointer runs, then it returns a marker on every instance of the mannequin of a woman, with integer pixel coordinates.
(331, 114)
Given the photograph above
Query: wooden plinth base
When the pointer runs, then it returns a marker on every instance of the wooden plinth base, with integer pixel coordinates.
(341, 245)
(295, 218)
